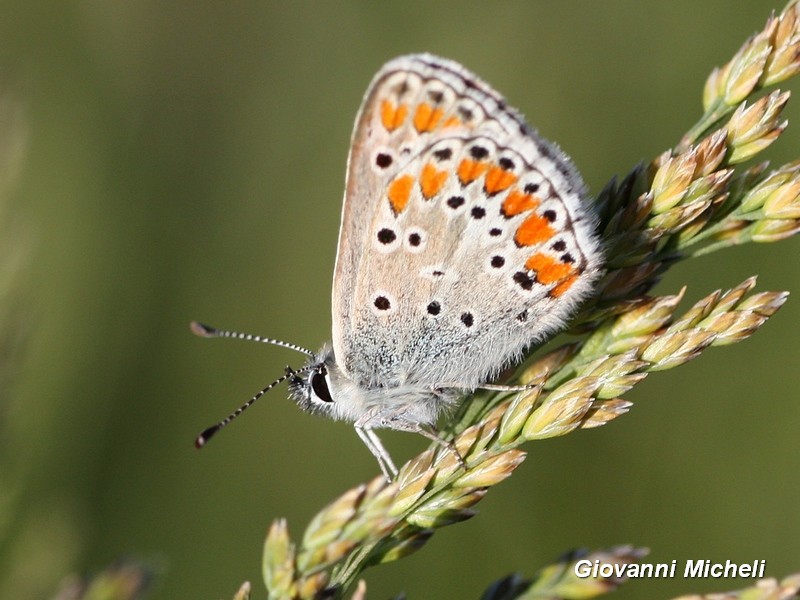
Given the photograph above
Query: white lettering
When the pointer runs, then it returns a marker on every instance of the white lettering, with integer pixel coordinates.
(733, 567)
(605, 570)
(583, 568)
(700, 568)
(694, 568)
(664, 570)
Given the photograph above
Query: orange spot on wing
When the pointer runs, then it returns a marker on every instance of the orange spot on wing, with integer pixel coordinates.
(517, 202)
(431, 181)
(563, 286)
(533, 230)
(426, 118)
(393, 116)
(548, 269)
(498, 179)
(470, 170)
(400, 192)
(452, 122)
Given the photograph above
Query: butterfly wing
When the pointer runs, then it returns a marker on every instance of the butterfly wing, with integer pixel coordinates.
(464, 237)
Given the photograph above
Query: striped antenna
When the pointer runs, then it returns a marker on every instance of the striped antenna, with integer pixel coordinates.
(206, 331)
(208, 433)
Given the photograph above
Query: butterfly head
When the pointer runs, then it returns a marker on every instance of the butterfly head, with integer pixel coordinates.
(313, 387)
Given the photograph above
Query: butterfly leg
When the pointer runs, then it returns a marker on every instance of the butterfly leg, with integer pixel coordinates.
(507, 388)
(430, 433)
(487, 386)
(399, 424)
(371, 441)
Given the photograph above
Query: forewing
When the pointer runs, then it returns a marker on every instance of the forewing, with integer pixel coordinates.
(464, 237)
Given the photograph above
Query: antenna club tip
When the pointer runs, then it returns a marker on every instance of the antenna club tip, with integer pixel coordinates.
(201, 330)
(202, 439)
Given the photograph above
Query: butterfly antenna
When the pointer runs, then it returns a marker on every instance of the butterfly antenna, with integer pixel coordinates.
(208, 433)
(206, 331)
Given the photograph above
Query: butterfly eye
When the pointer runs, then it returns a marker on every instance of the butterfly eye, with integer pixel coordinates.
(319, 385)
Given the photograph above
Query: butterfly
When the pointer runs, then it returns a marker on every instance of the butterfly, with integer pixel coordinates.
(465, 239)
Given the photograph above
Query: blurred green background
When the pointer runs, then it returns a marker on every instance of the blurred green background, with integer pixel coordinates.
(185, 160)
